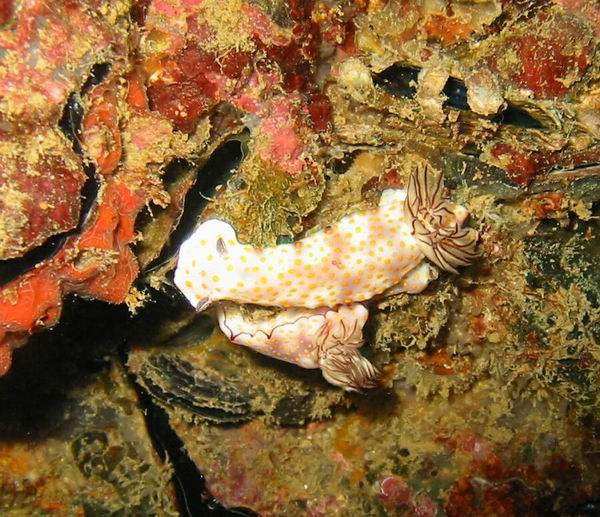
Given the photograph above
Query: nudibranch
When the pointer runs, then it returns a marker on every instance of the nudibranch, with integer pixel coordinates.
(325, 338)
(353, 260)
(318, 280)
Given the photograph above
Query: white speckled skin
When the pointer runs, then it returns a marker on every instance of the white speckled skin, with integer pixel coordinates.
(294, 335)
(360, 256)
(326, 338)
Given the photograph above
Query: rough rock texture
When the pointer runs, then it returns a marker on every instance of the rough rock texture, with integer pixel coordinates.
(281, 117)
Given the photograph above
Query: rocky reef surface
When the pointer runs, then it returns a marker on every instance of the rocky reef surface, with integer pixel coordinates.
(125, 124)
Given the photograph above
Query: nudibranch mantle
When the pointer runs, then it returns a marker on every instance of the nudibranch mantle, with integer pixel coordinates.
(325, 338)
(360, 256)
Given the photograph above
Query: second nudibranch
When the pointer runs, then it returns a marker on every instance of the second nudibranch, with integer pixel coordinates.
(324, 338)
(362, 255)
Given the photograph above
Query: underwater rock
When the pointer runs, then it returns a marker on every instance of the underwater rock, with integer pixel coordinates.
(40, 181)
(487, 396)
(77, 443)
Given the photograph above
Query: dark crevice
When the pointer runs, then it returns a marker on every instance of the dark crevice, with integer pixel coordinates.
(190, 486)
(173, 171)
(216, 171)
(97, 74)
(398, 80)
(70, 122)
(456, 91)
(593, 167)
(341, 165)
(401, 81)
(513, 116)
(40, 384)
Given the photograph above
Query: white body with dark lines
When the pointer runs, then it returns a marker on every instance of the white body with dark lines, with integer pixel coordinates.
(325, 338)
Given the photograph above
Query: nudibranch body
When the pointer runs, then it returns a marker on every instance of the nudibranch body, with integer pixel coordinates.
(319, 279)
(325, 338)
(360, 256)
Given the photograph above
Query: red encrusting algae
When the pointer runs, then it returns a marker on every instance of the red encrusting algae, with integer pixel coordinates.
(97, 264)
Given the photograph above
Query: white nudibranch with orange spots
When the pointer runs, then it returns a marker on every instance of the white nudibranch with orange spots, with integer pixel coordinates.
(365, 254)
